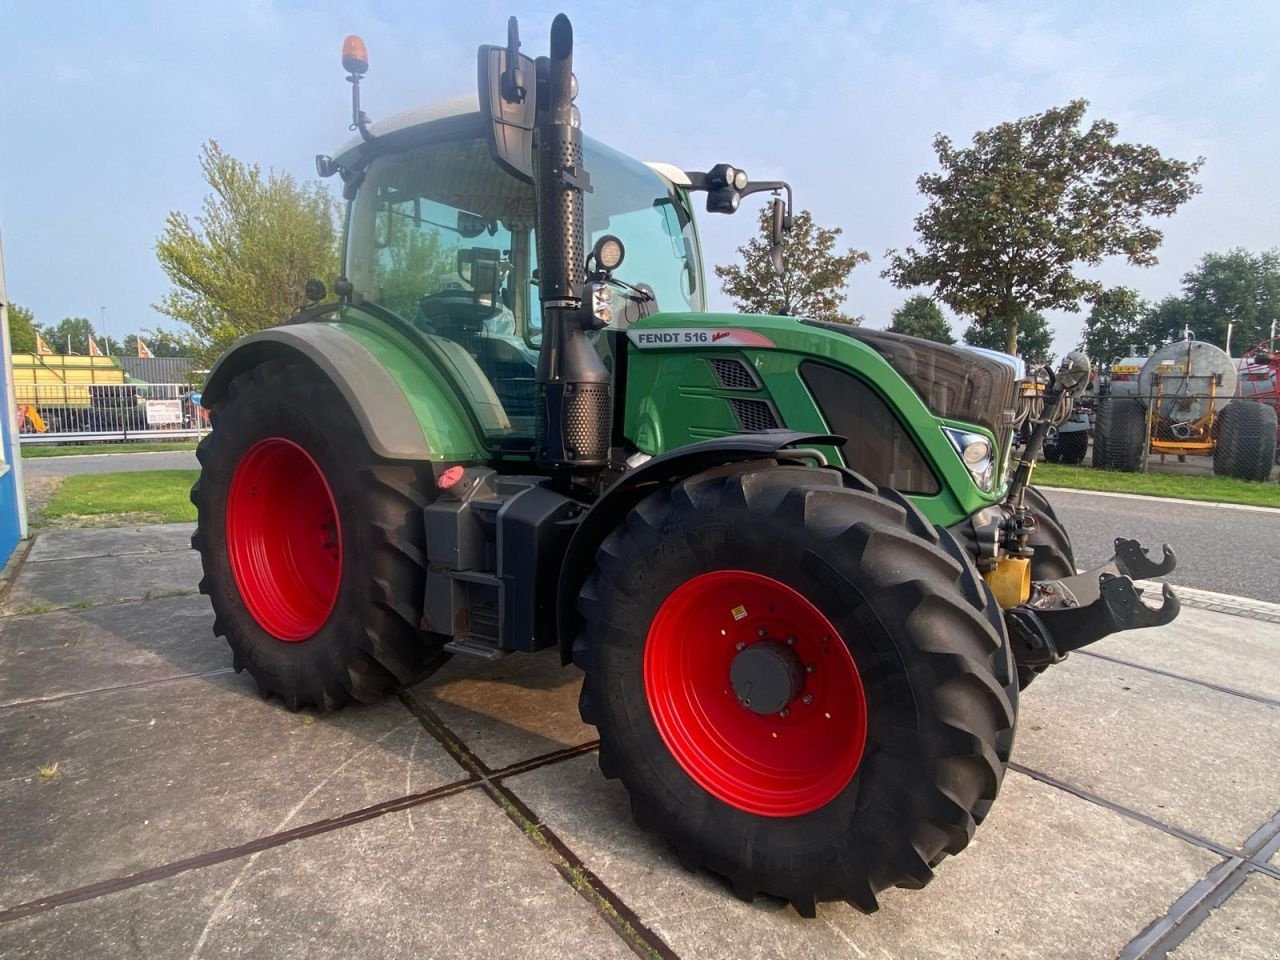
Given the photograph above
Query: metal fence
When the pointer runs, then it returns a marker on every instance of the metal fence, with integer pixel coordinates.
(71, 412)
(1180, 431)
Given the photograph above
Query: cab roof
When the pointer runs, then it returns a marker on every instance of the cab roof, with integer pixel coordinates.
(467, 106)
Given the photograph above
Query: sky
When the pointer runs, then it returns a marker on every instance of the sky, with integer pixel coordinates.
(106, 106)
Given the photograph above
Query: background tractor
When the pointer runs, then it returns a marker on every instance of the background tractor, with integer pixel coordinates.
(1183, 402)
(794, 559)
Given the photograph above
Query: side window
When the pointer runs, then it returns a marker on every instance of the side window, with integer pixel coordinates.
(442, 237)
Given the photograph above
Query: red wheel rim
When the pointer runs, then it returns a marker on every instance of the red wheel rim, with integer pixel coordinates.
(284, 539)
(779, 764)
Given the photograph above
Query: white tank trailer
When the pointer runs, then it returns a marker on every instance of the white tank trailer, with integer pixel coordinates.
(1182, 403)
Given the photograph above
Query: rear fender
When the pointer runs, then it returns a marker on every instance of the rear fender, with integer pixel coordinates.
(632, 487)
(404, 411)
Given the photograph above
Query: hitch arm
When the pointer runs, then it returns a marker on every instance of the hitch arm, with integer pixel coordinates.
(1065, 615)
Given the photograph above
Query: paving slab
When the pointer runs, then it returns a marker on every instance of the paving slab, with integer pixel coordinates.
(74, 651)
(1048, 875)
(1230, 651)
(1195, 758)
(152, 774)
(1245, 927)
(111, 542)
(508, 710)
(454, 878)
(51, 584)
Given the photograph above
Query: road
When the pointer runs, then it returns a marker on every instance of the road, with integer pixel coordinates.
(1227, 550)
(1235, 551)
(40, 467)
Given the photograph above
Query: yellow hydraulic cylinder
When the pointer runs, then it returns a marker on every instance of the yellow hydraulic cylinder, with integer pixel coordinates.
(1010, 581)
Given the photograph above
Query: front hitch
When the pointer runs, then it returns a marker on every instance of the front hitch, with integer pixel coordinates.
(1067, 614)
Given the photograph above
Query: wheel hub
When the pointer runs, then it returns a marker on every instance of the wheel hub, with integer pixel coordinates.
(767, 676)
(284, 540)
(755, 693)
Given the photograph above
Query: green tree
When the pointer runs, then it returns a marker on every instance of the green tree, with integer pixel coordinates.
(813, 277)
(241, 265)
(1113, 328)
(1009, 218)
(22, 329)
(1035, 338)
(1235, 287)
(921, 317)
(1168, 320)
(70, 335)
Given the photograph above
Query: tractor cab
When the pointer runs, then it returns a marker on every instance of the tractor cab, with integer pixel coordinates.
(440, 234)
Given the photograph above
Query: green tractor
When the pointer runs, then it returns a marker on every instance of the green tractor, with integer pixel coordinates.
(794, 559)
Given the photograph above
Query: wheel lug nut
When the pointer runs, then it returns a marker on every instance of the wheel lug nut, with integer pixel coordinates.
(784, 712)
(762, 632)
(791, 641)
(807, 698)
(809, 668)
(739, 645)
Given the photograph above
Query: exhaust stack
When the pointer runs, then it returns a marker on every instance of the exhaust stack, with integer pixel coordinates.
(574, 403)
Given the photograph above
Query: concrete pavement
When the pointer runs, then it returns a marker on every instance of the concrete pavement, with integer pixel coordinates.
(466, 818)
(1228, 550)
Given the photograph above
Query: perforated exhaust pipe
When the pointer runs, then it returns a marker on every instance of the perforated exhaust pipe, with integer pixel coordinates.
(574, 405)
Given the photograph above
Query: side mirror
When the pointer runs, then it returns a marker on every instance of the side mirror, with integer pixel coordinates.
(509, 103)
(779, 227)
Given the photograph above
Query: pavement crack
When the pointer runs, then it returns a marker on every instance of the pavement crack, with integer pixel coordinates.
(643, 941)
(297, 808)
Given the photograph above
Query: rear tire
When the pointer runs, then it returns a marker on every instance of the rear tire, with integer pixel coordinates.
(1120, 435)
(1246, 444)
(910, 616)
(318, 619)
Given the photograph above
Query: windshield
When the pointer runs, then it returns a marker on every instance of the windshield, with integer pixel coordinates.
(443, 237)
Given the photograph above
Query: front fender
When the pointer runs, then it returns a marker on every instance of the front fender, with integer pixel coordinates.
(632, 487)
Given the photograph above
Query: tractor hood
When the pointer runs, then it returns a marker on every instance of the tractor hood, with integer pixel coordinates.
(968, 384)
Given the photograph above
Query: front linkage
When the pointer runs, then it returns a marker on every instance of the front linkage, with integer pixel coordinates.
(1047, 619)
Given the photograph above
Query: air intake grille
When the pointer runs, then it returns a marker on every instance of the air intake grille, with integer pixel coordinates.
(733, 374)
(753, 415)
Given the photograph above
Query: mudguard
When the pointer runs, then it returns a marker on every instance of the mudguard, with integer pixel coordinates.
(404, 412)
(632, 487)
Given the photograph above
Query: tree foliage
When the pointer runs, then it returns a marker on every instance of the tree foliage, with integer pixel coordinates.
(70, 335)
(1114, 327)
(161, 343)
(22, 329)
(1010, 218)
(1035, 337)
(813, 279)
(242, 264)
(1234, 287)
(920, 316)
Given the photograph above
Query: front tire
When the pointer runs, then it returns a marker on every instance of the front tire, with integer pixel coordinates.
(313, 549)
(1052, 557)
(882, 771)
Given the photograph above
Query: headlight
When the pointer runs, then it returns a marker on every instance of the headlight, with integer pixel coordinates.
(975, 453)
